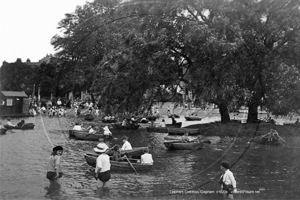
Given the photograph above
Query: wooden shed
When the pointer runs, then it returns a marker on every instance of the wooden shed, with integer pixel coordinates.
(14, 104)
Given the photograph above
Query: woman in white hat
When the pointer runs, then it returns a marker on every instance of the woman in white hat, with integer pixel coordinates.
(102, 170)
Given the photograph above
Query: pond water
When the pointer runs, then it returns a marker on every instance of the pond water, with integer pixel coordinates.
(262, 172)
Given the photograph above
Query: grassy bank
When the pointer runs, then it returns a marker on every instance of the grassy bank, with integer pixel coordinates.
(237, 129)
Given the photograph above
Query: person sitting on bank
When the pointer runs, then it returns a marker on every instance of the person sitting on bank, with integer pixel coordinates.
(227, 180)
(9, 123)
(21, 123)
(146, 158)
(126, 144)
(107, 132)
(297, 121)
(77, 127)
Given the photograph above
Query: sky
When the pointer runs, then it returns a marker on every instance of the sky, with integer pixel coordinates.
(27, 27)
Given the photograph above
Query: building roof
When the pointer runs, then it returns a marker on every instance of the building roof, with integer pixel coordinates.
(14, 93)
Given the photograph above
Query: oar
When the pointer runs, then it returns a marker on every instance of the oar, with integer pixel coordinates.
(130, 164)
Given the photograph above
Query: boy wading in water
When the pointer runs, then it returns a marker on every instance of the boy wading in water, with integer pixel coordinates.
(227, 180)
(54, 172)
(102, 170)
(53, 168)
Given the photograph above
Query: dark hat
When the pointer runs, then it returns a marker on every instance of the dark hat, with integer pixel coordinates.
(225, 164)
(58, 148)
(124, 138)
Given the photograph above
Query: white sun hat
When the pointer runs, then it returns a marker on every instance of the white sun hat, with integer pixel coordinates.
(101, 147)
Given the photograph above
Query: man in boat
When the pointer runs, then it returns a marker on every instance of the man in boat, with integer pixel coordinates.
(126, 144)
(102, 170)
(21, 123)
(146, 158)
(163, 123)
(92, 129)
(297, 121)
(78, 127)
(8, 122)
(185, 137)
(107, 132)
(117, 154)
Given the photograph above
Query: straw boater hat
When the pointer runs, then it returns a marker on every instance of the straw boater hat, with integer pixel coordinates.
(100, 148)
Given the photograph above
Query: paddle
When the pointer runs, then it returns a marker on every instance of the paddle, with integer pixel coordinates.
(130, 164)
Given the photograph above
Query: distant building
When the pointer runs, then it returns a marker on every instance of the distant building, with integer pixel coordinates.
(28, 62)
(13, 104)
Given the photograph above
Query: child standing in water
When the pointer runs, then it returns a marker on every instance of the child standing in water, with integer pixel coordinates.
(53, 167)
(227, 180)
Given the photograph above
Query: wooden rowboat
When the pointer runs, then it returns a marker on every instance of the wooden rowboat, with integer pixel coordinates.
(135, 152)
(118, 166)
(24, 127)
(177, 137)
(84, 135)
(182, 131)
(157, 129)
(89, 117)
(109, 120)
(129, 127)
(193, 118)
(3, 131)
(177, 145)
(177, 125)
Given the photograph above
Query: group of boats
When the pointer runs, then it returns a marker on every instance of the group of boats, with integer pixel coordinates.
(26, 126)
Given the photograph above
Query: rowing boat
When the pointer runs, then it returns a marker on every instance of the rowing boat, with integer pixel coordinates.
(193, 118)
(178, 137)
(129, 127)
(157, 129)
(135, 152)
(182, 131)
(118, 166)
(24, 127)
(84, 135)
(176, 125)
(3, 131)
(177, 145)
(109, 120)
(89, 117)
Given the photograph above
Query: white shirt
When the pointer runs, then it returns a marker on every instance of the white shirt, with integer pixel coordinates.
(9, 123)
(107, 132)
(126, 146)
(146, 158)
(103, 163)
(229, 179)
(92, 131)
(77, 128)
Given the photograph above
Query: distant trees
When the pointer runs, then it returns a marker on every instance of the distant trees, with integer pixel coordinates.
(17, 76)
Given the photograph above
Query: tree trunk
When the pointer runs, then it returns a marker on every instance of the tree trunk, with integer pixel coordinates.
(252, 112)
(223, 109)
